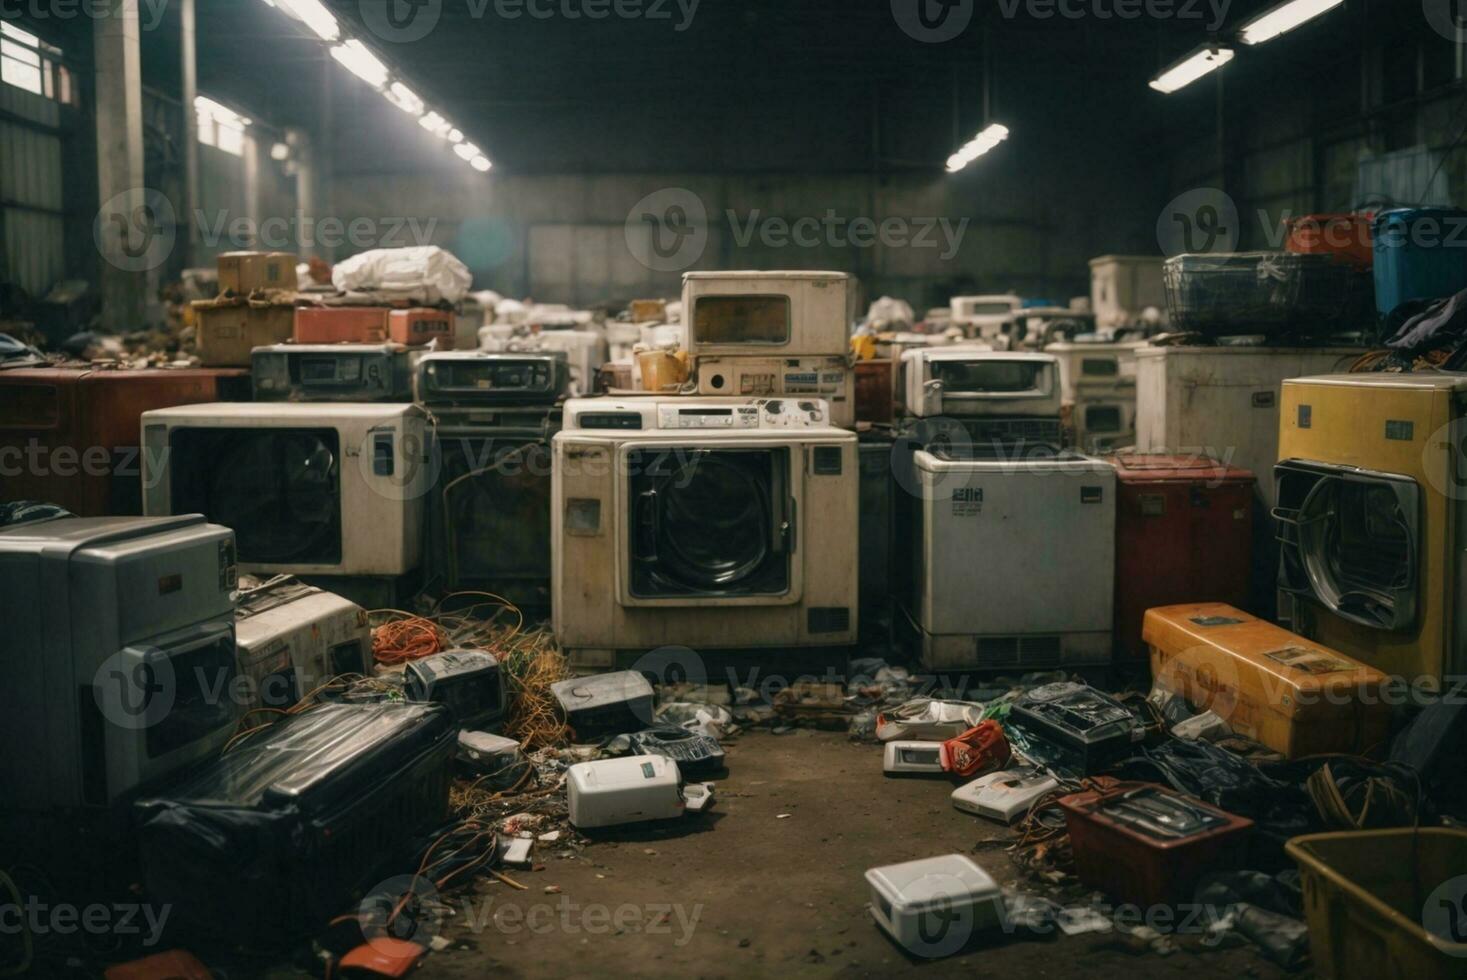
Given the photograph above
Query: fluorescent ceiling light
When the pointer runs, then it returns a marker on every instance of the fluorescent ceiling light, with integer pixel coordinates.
(314, 14)
(361, 62)
(977, 146)
(435, 124)
(466, 151)
(1284, 17)
(404, 98)
(1191, 68)
(455, 136)
(481, 164)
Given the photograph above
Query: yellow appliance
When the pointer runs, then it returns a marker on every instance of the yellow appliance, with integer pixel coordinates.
(1372, 518)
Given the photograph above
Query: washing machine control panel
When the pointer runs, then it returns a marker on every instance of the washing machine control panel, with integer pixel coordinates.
(766, 413)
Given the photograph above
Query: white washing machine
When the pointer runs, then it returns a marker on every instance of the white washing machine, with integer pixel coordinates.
(702, 522)
(1010, 558)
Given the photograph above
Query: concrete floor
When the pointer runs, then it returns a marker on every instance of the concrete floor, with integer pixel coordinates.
(744, 891)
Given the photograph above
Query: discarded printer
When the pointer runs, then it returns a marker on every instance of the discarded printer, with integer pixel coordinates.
(695, 754)
(466, 682)
(633, 789)
(1005, 795)
(1086, 729)
(333, 372)
(274, 837)
(934, 906)
(291, 638)
(605, 704)
(495, 761)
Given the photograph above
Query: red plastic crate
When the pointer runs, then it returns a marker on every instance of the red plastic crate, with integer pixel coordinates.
(1142, 868)
(341, 325)
(1346, 237)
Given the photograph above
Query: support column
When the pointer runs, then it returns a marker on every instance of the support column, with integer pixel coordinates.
(131, 234)
(187, 91)
(307, 192)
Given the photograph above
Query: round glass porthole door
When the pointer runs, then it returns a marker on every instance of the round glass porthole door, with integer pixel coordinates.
(710, 522)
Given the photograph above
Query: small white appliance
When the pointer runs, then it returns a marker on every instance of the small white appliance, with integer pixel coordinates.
(1010, 558)
(1122, 287)
(1004, 796)
(906, 757)
(935, 906)
(326, 488)
(1098, 382)
(632, 789)
(709, 523)
(292, 638)
(829, 378)
(585, 352)
(961, 381)
(989, 317)
(122, 630)
(771, 314)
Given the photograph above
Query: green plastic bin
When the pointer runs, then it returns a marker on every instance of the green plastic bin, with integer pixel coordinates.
(1368, 893)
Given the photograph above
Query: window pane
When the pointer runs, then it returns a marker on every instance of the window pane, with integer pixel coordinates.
(231, 140)
(23, 55)
(20, 75)
(25, 37)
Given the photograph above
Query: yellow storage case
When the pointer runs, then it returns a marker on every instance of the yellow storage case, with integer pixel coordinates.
(1291, 694)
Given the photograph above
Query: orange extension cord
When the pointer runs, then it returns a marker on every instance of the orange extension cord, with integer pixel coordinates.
(405, 640)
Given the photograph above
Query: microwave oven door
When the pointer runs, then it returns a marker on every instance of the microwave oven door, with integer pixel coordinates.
(153, 707)
(710, 526)
(1350, 541)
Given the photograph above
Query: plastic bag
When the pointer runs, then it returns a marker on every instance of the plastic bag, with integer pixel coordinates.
(421, 274)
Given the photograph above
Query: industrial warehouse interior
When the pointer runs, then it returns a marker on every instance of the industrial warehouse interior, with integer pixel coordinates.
(721, 488)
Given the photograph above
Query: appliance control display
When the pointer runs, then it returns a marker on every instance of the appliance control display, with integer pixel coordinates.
(772, 413)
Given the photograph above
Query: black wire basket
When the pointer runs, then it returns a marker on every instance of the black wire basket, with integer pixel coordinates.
(1272, 293)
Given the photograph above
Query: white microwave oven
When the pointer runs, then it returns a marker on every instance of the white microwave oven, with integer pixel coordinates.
(964, 381)
(783, 314)
(123, 629)
(326, 488)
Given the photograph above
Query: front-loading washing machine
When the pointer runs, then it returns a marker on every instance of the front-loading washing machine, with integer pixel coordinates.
(702, 522)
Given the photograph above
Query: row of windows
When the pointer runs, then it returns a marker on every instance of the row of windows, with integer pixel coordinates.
(31, 64)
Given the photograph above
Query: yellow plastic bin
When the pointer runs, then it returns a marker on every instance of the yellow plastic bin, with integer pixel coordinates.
(1370, 895)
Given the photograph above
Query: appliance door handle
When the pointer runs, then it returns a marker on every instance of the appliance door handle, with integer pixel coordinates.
(649, 518)
(786, 538)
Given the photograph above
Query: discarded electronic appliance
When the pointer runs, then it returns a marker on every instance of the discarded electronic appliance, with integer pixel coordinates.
(1098, 382)
(333, 372)
(1150, 845)
(92, 416)
(1005, 795)
(769, 314)
(325, 802)
(725, 522)
(1049, 601)
(962, 381)
(585, 352)
(906, 757)
(928, 719)
(1371, 517)
(292, 638)
(632, 789)
(935, 906)
(694, 754)
(1293, 695)
(988, 318)
(326, 489)
(1184, 533)
(1123, 287)
(489, 515)
(605, 704)
(1089, 729)
(486, 754)
(466, 682)
(82, 725)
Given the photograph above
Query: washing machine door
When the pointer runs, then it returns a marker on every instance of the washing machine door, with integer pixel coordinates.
(710, 522)
(1351, 541)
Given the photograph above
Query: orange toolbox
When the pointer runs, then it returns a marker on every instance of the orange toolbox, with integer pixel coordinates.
(1291, 694)
(421, 325)
(341, 325)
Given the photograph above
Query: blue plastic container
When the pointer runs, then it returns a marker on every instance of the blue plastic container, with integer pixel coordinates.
(1420, 253)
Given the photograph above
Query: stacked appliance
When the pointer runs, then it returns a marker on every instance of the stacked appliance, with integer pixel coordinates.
(1098, 381)
(772, 335)
(1371, 520)
(292, 638)
(705, 522)
(990, 318)
(1123, 288)
(1007, 540)
(331, 491)
(489, 512)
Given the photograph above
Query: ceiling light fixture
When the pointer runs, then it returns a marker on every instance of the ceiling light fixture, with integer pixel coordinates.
(991, 136)
(481, 164)
(404, 98)
(314, 14)
(1283, 18)
(361, 62)
(1205, 59)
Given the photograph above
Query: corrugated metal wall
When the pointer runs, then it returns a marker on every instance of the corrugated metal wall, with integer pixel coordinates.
(31, 202)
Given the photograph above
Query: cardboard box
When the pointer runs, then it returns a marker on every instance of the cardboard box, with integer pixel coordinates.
(648, 310)
(244, 272)
(225, 335)
(419, 326)
(341, 325)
